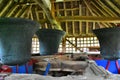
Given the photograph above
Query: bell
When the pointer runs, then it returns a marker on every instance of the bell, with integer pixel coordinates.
(109, 39)
(49, 40)
(15, 40)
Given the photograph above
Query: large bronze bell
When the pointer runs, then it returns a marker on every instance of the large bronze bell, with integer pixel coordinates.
(49, 40)
(109, 39)
(15, 40)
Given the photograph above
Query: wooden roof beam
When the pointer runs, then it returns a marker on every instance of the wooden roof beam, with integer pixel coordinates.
(108, 10)
(3, 3)
(90, 19)
(103, 23)
(20, 11)
(90, 9)
(117, 2)
(6, 7)
(11, 10)
(113, 6)
(33, 13)
(50, 17)
(25, 12)
(97, 8)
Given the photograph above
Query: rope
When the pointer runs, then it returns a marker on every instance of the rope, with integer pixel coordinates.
(17, 66)
(26, 67)
(118, 67)
(108, 64)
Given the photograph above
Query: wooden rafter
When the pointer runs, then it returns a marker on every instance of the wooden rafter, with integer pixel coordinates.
(99, 9)
(91, 11)
(37, 15)
(102, 9)
(98, 14)
(90, 19)
(3, 12)
(48, 13)
(14, 8)
(33, 12)
(3, 3)
(20, 11)
(113, 6)
(108, 10)
(25, 12)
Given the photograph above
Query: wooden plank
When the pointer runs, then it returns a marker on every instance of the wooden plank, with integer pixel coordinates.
(108, 10)
(113, 6)
(90, 19)
(63, 65)
(10, 2)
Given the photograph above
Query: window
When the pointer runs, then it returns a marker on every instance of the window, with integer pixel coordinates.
(82, 43)
(69, 45)
(60, 49)
(87, 42)
(35, 45)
